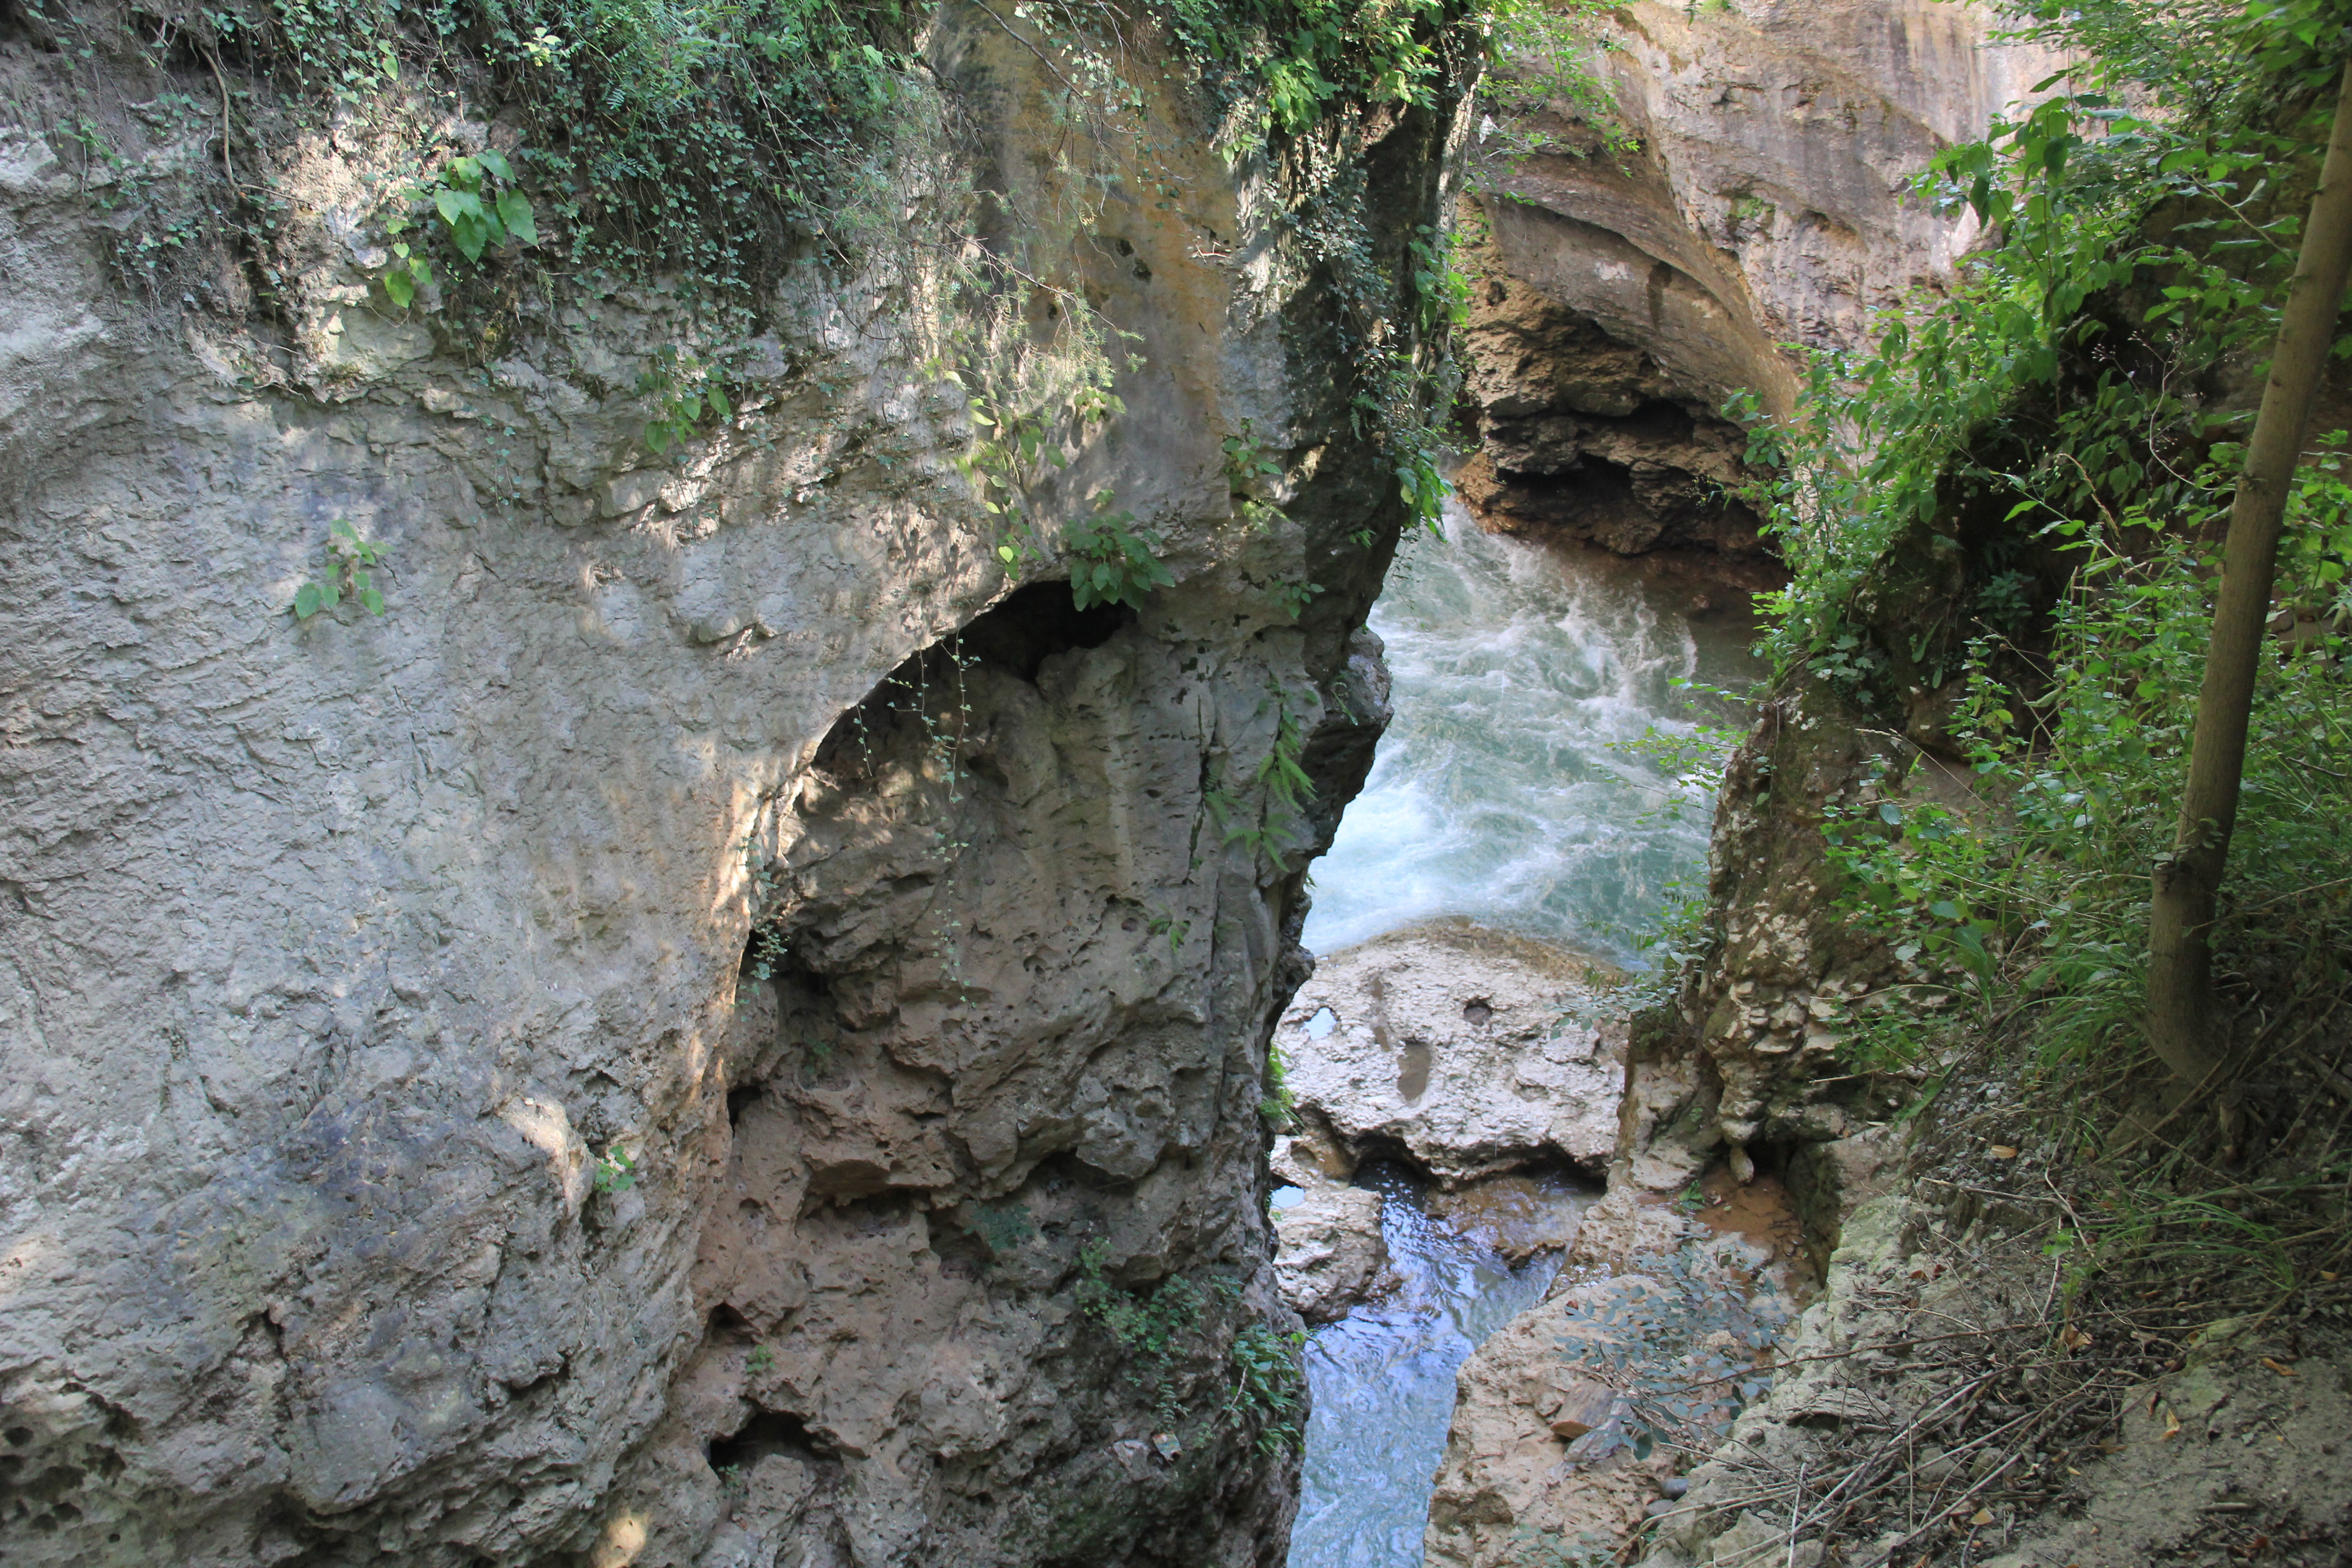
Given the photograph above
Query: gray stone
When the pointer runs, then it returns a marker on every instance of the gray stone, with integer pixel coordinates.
(1454, 1042)
(339, 956)
(1330, 1255)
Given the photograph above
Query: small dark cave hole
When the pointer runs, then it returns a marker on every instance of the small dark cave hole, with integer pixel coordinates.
(1033, 623)
(739, 1100)
(768, 1432)
(925, 699)
(729, 1326)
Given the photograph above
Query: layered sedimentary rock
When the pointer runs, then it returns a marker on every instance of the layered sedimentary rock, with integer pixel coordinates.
(1620, 301)
(411, 1152)
(1767, 212)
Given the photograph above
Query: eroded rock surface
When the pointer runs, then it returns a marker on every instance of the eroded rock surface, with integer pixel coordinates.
(1509, 1477)
(402, 1159)
(1454, 1044)
(1653, 1306)
(1617, 302)
(1329, 1254)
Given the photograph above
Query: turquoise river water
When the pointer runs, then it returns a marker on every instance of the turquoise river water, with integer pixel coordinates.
(1500, 793)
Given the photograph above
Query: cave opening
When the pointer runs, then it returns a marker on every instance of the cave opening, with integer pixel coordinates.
(767, 1432)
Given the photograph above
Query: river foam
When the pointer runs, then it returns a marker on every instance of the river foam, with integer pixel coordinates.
(1496, 794)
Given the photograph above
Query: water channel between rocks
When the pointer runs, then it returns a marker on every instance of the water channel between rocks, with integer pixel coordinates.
(1499, 795)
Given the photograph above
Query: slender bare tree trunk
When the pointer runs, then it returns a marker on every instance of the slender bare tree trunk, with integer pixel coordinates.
(2180, 1023)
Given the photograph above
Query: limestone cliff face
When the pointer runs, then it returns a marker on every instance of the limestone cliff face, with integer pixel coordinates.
(1621, 300)
(1620, 304)
(1767, 212)
(340, 956)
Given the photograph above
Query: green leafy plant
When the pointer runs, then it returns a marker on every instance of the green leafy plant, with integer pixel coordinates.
(616, 1171)
(478, 206)
(760, 1361)
(1543, 55)
(352, 564)
(1017, 447)
(1267, 1395)
(1283, 785)
(1154, 1332)
(1159, 1332)
(1116, 562)
(1279, 1108)
(765, 948)
(2052, 394)
(1174, 929)
(1441, 289)
(1250, 468)
(686, 392)
(1281, 774)
(1002, 1229)
(1292, 595)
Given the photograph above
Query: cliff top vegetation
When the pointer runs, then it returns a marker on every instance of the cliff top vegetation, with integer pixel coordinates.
(2005, 518)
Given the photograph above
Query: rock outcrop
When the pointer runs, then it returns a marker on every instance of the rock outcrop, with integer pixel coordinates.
(1617, 302)
(413, 1151)
(1655, 1314)
(1330, 1254)
(1468, 1049)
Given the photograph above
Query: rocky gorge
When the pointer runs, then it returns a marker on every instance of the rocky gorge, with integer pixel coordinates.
(623, 1057)
(764, 1004)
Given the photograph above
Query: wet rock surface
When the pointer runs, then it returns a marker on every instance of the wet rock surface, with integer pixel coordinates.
(1452, 1043)
(1656, 1313)
(1383, 1374)
(1519, 1214)
(1330, 1254)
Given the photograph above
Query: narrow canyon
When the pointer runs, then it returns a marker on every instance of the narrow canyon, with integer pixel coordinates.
(1002, 786)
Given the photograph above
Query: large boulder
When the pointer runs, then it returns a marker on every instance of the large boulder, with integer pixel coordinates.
(1470, 1050)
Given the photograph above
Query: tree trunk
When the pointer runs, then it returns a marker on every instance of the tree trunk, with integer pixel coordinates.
(2180, 1022)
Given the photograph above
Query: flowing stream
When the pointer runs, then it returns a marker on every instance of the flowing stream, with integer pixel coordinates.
(1501, 793)
(1383, 1380)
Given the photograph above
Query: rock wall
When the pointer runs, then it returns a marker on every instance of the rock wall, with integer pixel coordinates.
(405, 1157)
(1619, 301)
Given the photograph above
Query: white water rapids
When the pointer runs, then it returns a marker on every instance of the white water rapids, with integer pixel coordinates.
(1496, 796)
(1495, 793)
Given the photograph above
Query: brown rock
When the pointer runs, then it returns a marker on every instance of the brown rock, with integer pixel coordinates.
(1583, 1407)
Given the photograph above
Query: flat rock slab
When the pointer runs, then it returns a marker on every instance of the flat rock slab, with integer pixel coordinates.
(1464, 1046)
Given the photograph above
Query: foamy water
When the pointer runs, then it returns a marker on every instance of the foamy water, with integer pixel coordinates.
(1495, 793)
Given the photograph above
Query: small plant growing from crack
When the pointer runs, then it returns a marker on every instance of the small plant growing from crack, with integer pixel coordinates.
(1002, 1228)
(351, 563)
(617, 1171)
